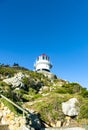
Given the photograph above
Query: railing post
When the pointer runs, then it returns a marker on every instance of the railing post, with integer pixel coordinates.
(23, 114)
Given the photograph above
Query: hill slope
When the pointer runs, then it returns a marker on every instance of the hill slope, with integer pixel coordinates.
(43, 95)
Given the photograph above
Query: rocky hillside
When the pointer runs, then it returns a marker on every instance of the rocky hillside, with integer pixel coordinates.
(56, 101)
(8, 117)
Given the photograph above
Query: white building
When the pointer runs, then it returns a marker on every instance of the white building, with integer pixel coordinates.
(42, 63)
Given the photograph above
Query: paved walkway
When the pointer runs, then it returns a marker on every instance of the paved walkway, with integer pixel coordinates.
(72, 128)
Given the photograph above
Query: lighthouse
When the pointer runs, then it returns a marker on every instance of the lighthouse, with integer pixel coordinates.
(42, 63)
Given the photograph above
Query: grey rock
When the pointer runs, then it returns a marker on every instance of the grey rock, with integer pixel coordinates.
(16, 80)
(71, 107)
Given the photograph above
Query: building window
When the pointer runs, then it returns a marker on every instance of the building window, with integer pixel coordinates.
(37, 58)
(43, 57)
(47, 58)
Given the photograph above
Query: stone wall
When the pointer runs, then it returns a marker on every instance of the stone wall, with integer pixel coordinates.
(4, 127)
(7, 117)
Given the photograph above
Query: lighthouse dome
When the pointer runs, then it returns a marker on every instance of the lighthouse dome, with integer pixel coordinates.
(42, 63)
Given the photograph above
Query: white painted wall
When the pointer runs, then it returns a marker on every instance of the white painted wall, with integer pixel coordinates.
(42, 64)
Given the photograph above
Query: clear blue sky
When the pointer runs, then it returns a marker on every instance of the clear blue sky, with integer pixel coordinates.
(58, 28)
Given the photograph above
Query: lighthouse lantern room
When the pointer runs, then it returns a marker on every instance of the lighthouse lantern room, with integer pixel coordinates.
(42, 63)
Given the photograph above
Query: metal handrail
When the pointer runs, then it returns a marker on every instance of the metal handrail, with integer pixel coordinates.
(17, 106)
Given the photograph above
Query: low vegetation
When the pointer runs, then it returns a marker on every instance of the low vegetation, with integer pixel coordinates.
(43, 95)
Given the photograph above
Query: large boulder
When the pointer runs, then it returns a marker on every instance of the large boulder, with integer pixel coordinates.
(16, 80)
(71, 107)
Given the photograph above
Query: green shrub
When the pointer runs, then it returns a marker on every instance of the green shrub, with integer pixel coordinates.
(7, 71)
(84, 92)
(72, 88)
(84, 111)
(61, 90)
(10, 106)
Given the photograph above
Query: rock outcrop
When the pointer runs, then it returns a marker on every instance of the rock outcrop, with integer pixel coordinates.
(71, 107)
(16, 80)
(13, 121)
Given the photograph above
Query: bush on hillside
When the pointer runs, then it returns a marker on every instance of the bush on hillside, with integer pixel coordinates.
(84, 92)
(72, 88)
(84, 111)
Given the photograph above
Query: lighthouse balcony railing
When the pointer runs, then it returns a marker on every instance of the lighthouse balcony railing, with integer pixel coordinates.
(42, 61)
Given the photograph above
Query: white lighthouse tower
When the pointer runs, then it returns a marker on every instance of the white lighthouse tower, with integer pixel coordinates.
(42, 63)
